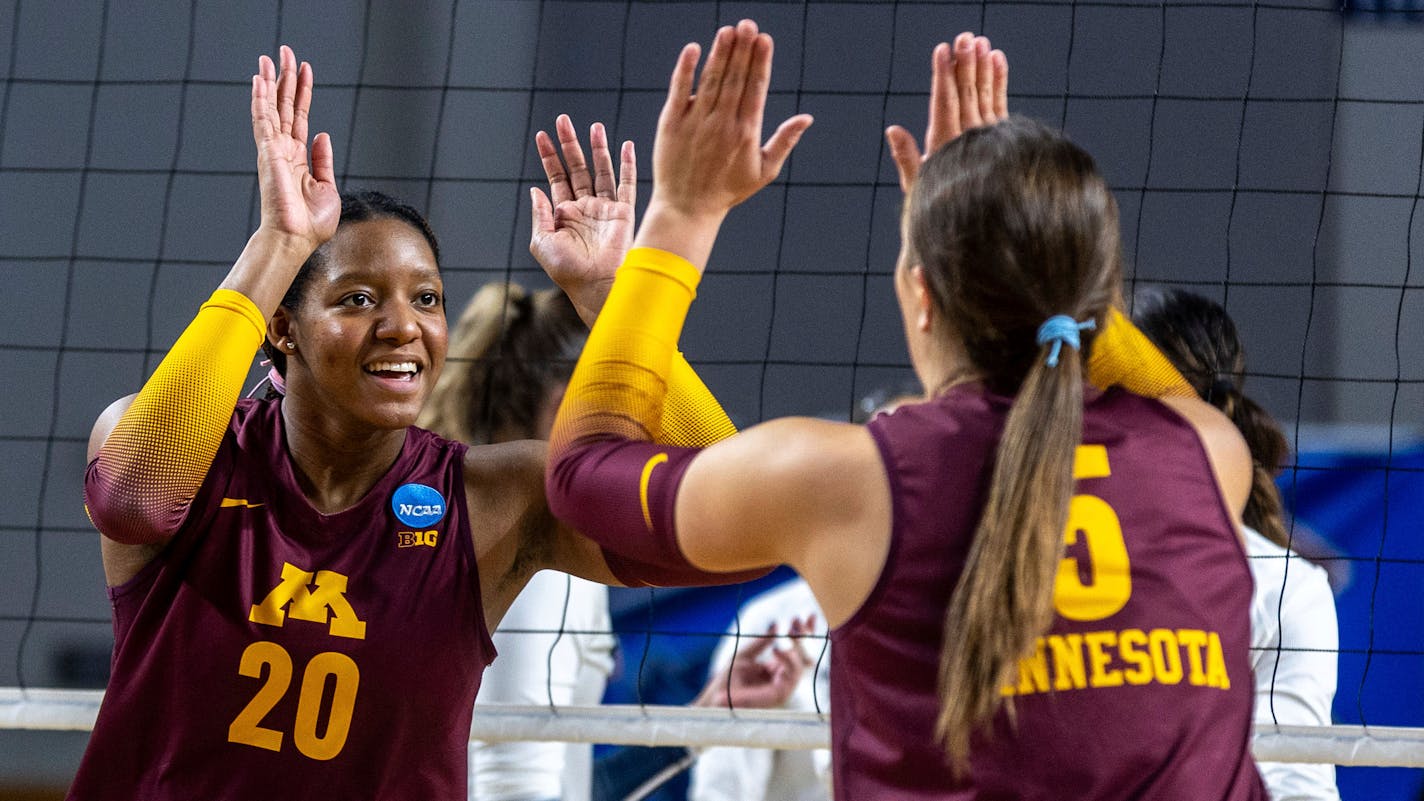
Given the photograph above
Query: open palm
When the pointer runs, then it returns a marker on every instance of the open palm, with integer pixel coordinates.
(584, 226)
(298, 200)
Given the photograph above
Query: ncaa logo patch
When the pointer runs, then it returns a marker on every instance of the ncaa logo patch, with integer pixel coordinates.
(418, 505)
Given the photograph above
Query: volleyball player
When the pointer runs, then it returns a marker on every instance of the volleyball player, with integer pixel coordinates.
(303, 587)
(1294, 637)
(974, 655)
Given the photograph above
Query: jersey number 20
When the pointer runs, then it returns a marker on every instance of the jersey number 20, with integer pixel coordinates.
(247, 727)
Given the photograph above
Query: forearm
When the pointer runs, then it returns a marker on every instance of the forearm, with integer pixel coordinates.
(606, 477)
(141, 480)
(266, 268)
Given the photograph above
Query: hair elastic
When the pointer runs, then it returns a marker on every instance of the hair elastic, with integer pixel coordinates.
(1220, 388)
(1061, 329)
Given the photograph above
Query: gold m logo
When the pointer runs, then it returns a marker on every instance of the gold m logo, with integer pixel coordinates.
(326, 604)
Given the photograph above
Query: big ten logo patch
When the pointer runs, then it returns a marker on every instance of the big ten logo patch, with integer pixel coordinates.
(413, 539)
(316, 598)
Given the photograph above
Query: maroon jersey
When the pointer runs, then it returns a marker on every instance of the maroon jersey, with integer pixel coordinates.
(1142, 688)
(272, 651)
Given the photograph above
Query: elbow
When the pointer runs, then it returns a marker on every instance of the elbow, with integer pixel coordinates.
(119, 508)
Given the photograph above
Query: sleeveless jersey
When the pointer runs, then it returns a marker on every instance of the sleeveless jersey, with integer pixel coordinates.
(271, 651)
(1141, 690)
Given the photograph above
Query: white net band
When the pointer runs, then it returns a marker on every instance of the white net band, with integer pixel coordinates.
(1378, 746)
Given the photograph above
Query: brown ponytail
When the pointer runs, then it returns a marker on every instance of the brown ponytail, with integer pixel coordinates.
(1198, 336)
(508, 350)
(1012, 225)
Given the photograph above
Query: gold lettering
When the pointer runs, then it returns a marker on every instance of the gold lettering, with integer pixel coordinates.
(1068, 672)
(1166, 661)
(1098, 659)
(1216, 664)
(1132, 647)
(1193, 640)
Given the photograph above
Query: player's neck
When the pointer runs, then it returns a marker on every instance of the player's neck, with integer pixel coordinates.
(335, 469)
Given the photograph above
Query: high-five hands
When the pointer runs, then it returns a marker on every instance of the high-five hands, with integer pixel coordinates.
(708, 155)
(299, 202)
(584, 226)
(969, 87)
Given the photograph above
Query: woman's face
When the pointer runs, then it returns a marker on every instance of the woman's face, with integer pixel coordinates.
(370, 332)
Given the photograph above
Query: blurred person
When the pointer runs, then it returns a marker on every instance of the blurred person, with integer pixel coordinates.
(511, 355)
(1295, 638)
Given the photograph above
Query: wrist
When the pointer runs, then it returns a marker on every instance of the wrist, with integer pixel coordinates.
(281, 245)
(267, 266)
(687, 233)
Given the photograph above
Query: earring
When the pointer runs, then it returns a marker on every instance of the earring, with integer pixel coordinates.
(291, 345)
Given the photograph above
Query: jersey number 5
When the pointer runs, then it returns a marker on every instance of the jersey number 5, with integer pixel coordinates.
(247, 727)
(1094, 580)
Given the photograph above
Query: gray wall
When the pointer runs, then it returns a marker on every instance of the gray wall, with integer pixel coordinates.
(1267, 157)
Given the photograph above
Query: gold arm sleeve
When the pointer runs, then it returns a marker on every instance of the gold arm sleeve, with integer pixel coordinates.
(156, 458)
(692, 417)
(1124, 356)
(631, 382)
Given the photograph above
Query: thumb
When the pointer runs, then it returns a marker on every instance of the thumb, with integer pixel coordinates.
(905, 153)
(541, 216)
(776, 150)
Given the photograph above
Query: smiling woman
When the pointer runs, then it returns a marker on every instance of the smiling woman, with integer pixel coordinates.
(368, 307)
(304, 586)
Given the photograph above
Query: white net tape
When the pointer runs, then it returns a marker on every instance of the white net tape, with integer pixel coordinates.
(1377, 746)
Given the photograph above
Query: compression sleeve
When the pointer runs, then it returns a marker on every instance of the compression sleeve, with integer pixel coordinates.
(138, 488)
(691, 414)
(1123, 355)
(607, 476)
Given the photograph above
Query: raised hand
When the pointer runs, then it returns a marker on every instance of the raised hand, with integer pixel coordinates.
(584, 226)
(708, 156)
(969, 87)
(299, 202)
(752, 682)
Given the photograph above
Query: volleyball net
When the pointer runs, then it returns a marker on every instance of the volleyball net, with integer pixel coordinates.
(1265, 154)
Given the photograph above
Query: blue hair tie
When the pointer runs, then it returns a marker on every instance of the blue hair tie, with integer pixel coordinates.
(1060, 329)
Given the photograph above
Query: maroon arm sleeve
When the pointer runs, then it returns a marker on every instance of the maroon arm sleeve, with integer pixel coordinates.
(622, 494)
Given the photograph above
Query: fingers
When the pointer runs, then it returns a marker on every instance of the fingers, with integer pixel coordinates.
(906, 155)
(628, 175)
(966, 80)
(323, 162)
(758, 80)
(709, 87)
(264, 104)
(799, 632)
(944, 101)
(302, 109)
(579, 179)
(745, 44)
(1001, 84)
(680, 85)
(757, 645)
(778, 147)
(559, 187)
(287, 89)
(984, 72)
(604, 182)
